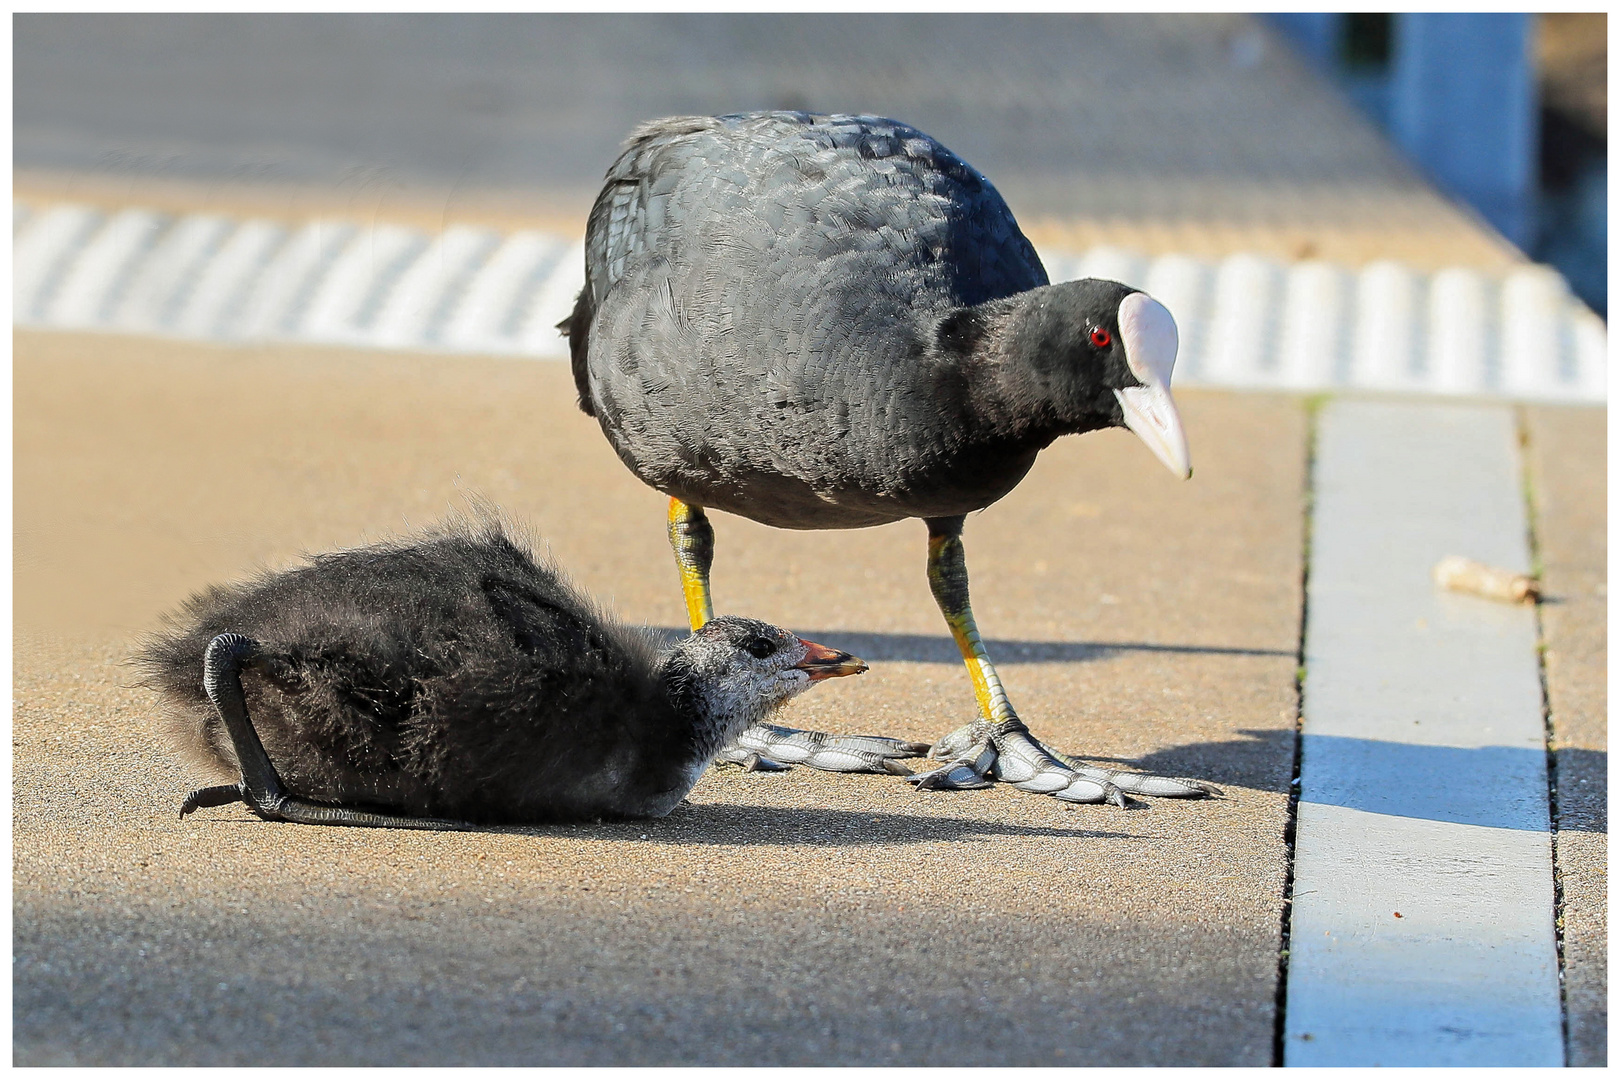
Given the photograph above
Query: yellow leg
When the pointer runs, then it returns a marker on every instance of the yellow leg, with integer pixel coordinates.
(693, 540)
(947, 575)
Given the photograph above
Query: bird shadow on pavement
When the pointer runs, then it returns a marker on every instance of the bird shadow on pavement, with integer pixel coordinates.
(1382, 777)
(940, 649)
(737, 825)
(1261, 762)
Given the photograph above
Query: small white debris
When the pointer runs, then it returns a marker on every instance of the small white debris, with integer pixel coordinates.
(1492, 582)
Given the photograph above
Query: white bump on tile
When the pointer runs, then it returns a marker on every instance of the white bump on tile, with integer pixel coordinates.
(217, 299)
(1385, 339)
(1311, 342)
(359, 273)
(1241, 349)
(484, 321)
(1590, 354)
(42, 253)
(1459, 332)
(169, 273)
(1534, 332)
(290, 282)
(100, 268)
(445, 267)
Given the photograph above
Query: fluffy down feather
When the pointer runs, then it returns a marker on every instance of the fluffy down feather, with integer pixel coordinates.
(450, 675)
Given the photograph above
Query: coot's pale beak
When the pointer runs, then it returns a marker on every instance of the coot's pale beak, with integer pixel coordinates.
(1148, 334)
(1151, 413)
(824, 663)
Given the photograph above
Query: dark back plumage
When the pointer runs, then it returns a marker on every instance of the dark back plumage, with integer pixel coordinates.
(452, 675)
(766, 325)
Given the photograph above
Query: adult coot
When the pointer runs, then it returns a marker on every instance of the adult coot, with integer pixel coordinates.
(828, 322)
(451, 678)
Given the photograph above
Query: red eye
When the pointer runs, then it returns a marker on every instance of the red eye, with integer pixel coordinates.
(1101, 338)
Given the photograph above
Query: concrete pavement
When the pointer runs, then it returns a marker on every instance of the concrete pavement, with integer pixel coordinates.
(1568, 484)
(1423, 914)
(800, 918)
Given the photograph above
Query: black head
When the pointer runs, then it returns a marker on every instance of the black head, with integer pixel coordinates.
(1089, 354)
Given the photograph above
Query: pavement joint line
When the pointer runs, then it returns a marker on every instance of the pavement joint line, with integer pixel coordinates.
(1246, 321)
(1279, 1041)
(1423, 921)
(1532, 537)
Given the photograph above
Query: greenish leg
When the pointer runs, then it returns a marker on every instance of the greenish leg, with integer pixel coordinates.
(947, 576)
(999, 744)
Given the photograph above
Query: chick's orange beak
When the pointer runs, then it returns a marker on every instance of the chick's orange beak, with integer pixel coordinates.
(824, 663)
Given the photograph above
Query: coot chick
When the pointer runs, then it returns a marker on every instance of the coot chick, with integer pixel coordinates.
(452, 678)
(830, 322)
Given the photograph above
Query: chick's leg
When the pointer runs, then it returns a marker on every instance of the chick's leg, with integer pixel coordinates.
(261, 789)
(764, 747)
(998, 744)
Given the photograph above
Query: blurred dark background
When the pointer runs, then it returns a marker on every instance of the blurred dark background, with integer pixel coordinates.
(1162, 132)
(1508, 112)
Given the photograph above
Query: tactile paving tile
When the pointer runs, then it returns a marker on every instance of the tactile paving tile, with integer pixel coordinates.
(1246, 321)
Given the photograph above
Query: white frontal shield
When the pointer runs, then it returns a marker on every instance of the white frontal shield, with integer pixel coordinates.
(1148, 334)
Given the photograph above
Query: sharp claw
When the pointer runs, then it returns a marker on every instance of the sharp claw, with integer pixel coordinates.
(747, 760)
(950, 778)
(966, 771)
(959, 741)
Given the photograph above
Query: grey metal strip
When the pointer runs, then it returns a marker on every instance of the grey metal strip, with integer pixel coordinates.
(1422, 925)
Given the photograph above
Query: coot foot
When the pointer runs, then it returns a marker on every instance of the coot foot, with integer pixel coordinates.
(1009, 753)
(765, 746)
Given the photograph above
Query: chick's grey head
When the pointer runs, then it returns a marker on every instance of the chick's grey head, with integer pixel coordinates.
(1099, 354)
(735, 670)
